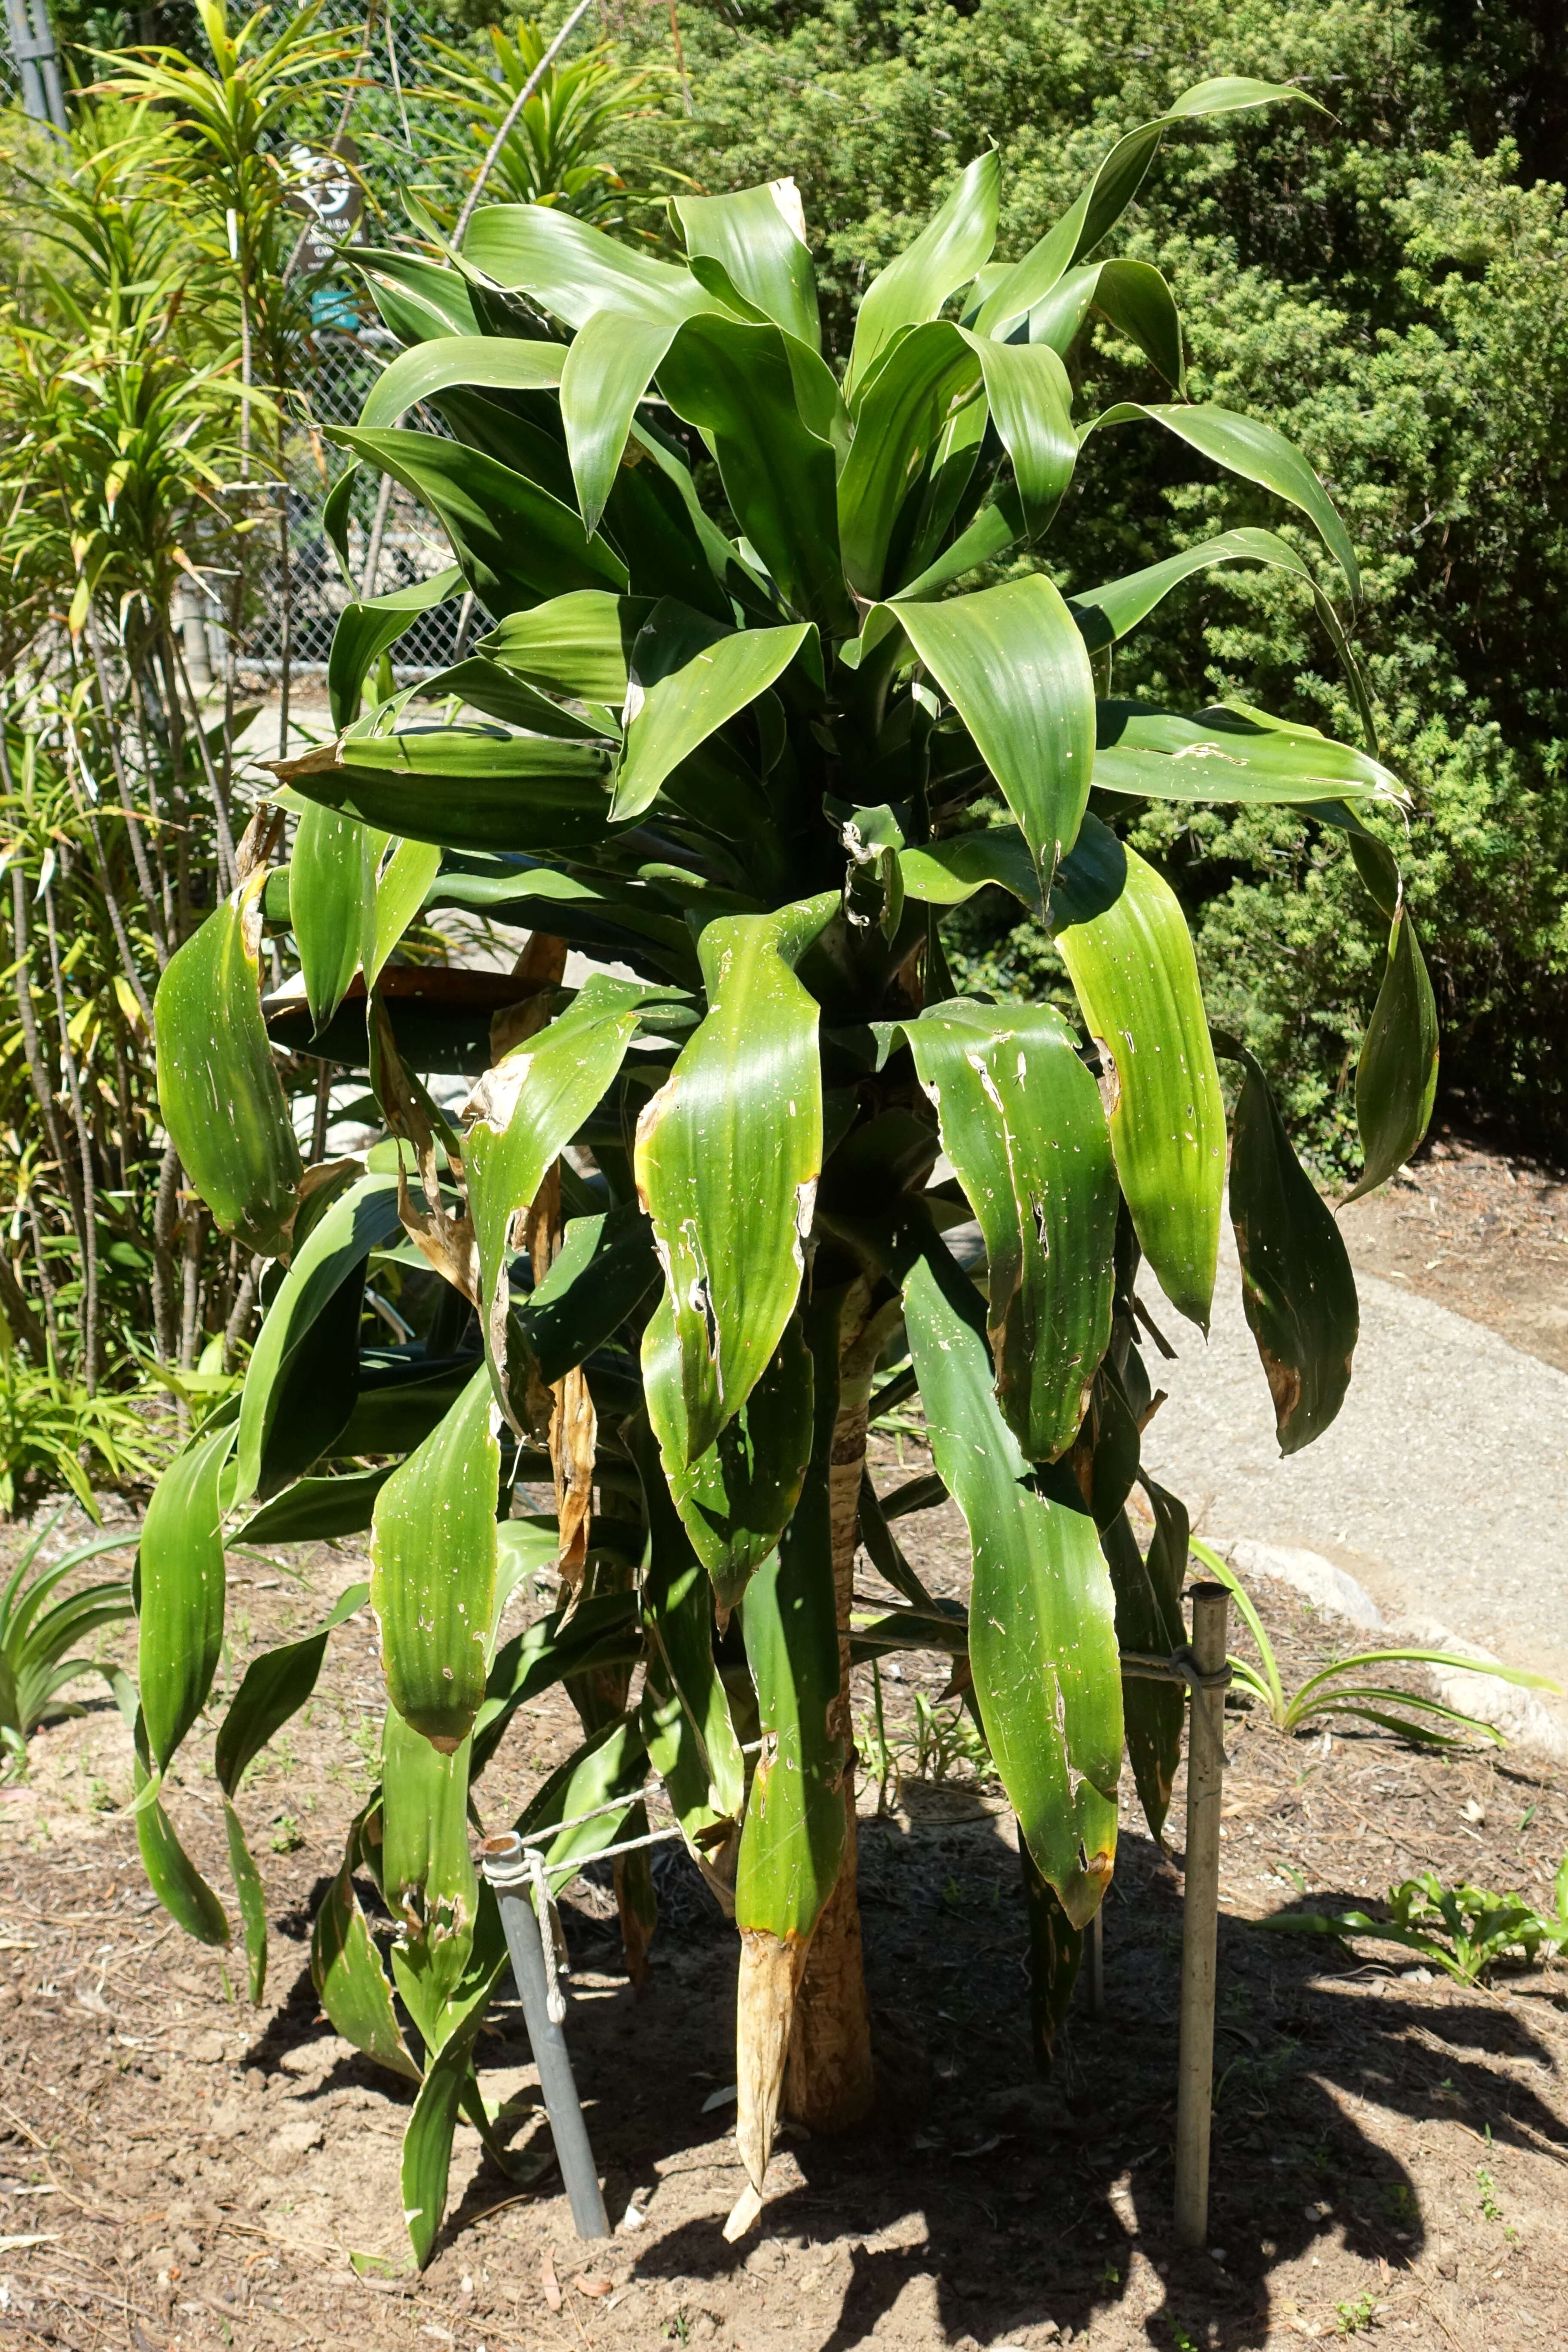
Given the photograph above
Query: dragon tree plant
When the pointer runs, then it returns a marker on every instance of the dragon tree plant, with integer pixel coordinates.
(740, 733)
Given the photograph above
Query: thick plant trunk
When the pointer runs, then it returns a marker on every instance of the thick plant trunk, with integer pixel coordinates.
(830, 2082)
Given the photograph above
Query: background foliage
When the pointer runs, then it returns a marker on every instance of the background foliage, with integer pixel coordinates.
(1390, 287)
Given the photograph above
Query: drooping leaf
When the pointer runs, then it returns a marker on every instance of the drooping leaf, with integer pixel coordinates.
(514, 543)
(402, 888)
(793, 1837)
(171, 1874)
(303, 1380)
(346, 1971)
(252, 1897)
(1042, 1641)
(432, 1571)
(1397, 1076)
(494, 363)
(685, 1714)
(331, 891)
(605, 1269)
(218, 1088)
(314, 1510)
(602, 1629)
(1154, 1711)
(428, 2139)
(528, 1109)
(1014, 665)
(367, 628)
(1297, 1284)
(1022, 1123)
(727, 1155)
(428, 1875)
(180, 1591)
(1136, 977)
(1257, 452)
(948, 873)
(275, 1686)
(1230, 753)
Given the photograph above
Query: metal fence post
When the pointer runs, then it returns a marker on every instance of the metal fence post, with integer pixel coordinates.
(506, 1867)
(1200, 1908)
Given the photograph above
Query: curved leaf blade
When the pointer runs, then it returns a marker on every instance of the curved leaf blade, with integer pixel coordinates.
(488, 362)
(432, 1571)
(180, 1587)
(1297, 1286)
(1014, 665)
(218, 1088)
(1021, 1122)
(953, 246)
(1042, 1638)
(727, 1155)
(677, 709)
(1397, 1075)
(1136, 977)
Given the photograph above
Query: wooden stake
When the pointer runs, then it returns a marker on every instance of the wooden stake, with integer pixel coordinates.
(1200, 1929)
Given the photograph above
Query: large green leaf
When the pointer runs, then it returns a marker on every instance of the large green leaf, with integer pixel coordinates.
(727, 1155)
(347, 1973)
(419, 299)
(1297, 1286)
(954, 244)
(1258, 452)
(529, 1107)
(367, 629)
(736, 1497)
(608, 370)
(678, 696)
(1107, 196)
(578, 645)
(1397, 1076)
(496, 362)
(515, 545)
(428, 1875)
(275, 1686)
(1148, 1619)
(757, 236)
(315, 1510)
(1131, 295)
(482, 684)
(180, 1591)
(570, 268)
(463, 787)
(930, 374)
(332, 891)
(736, 384)
(432, 1571)
(948, 873)
(402, 889)
(684, 1715)
(427, 2136)
(1229, 752)
(171, 1874)
(1022, 1123)
(1013, 663)
(602, 1629)
(605, 1269)
(302, 1380)
(1136, 977)
(218, 1088)
(1042, 1639)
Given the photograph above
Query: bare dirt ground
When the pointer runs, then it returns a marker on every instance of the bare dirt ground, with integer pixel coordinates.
(1390, 2154)
(1482, 1231)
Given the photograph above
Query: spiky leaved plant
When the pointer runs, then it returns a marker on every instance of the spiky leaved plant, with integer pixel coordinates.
(728, 736)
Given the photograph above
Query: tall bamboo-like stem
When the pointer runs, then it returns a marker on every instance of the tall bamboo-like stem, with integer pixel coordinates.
(227, 869)
(84, 1142)
(829, 2082)
(166, 1223)
(38, 1070)
(156, 821)
(45, 1285)
(112, 905)
(194, 1233)
(239, 1314)
(108, 704)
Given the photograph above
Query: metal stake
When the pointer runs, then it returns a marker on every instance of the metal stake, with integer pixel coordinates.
(1200, 1907)
(506, 1867)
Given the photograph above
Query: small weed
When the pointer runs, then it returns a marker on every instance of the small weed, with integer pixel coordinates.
(1111, 2275)
(286, 1837)
(1480, 1927)
(678, 2329)
(1399, 2200)
(1356, 2317)
(1182, 2341)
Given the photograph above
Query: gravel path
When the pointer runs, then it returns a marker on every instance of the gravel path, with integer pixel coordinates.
(1442, 1487)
